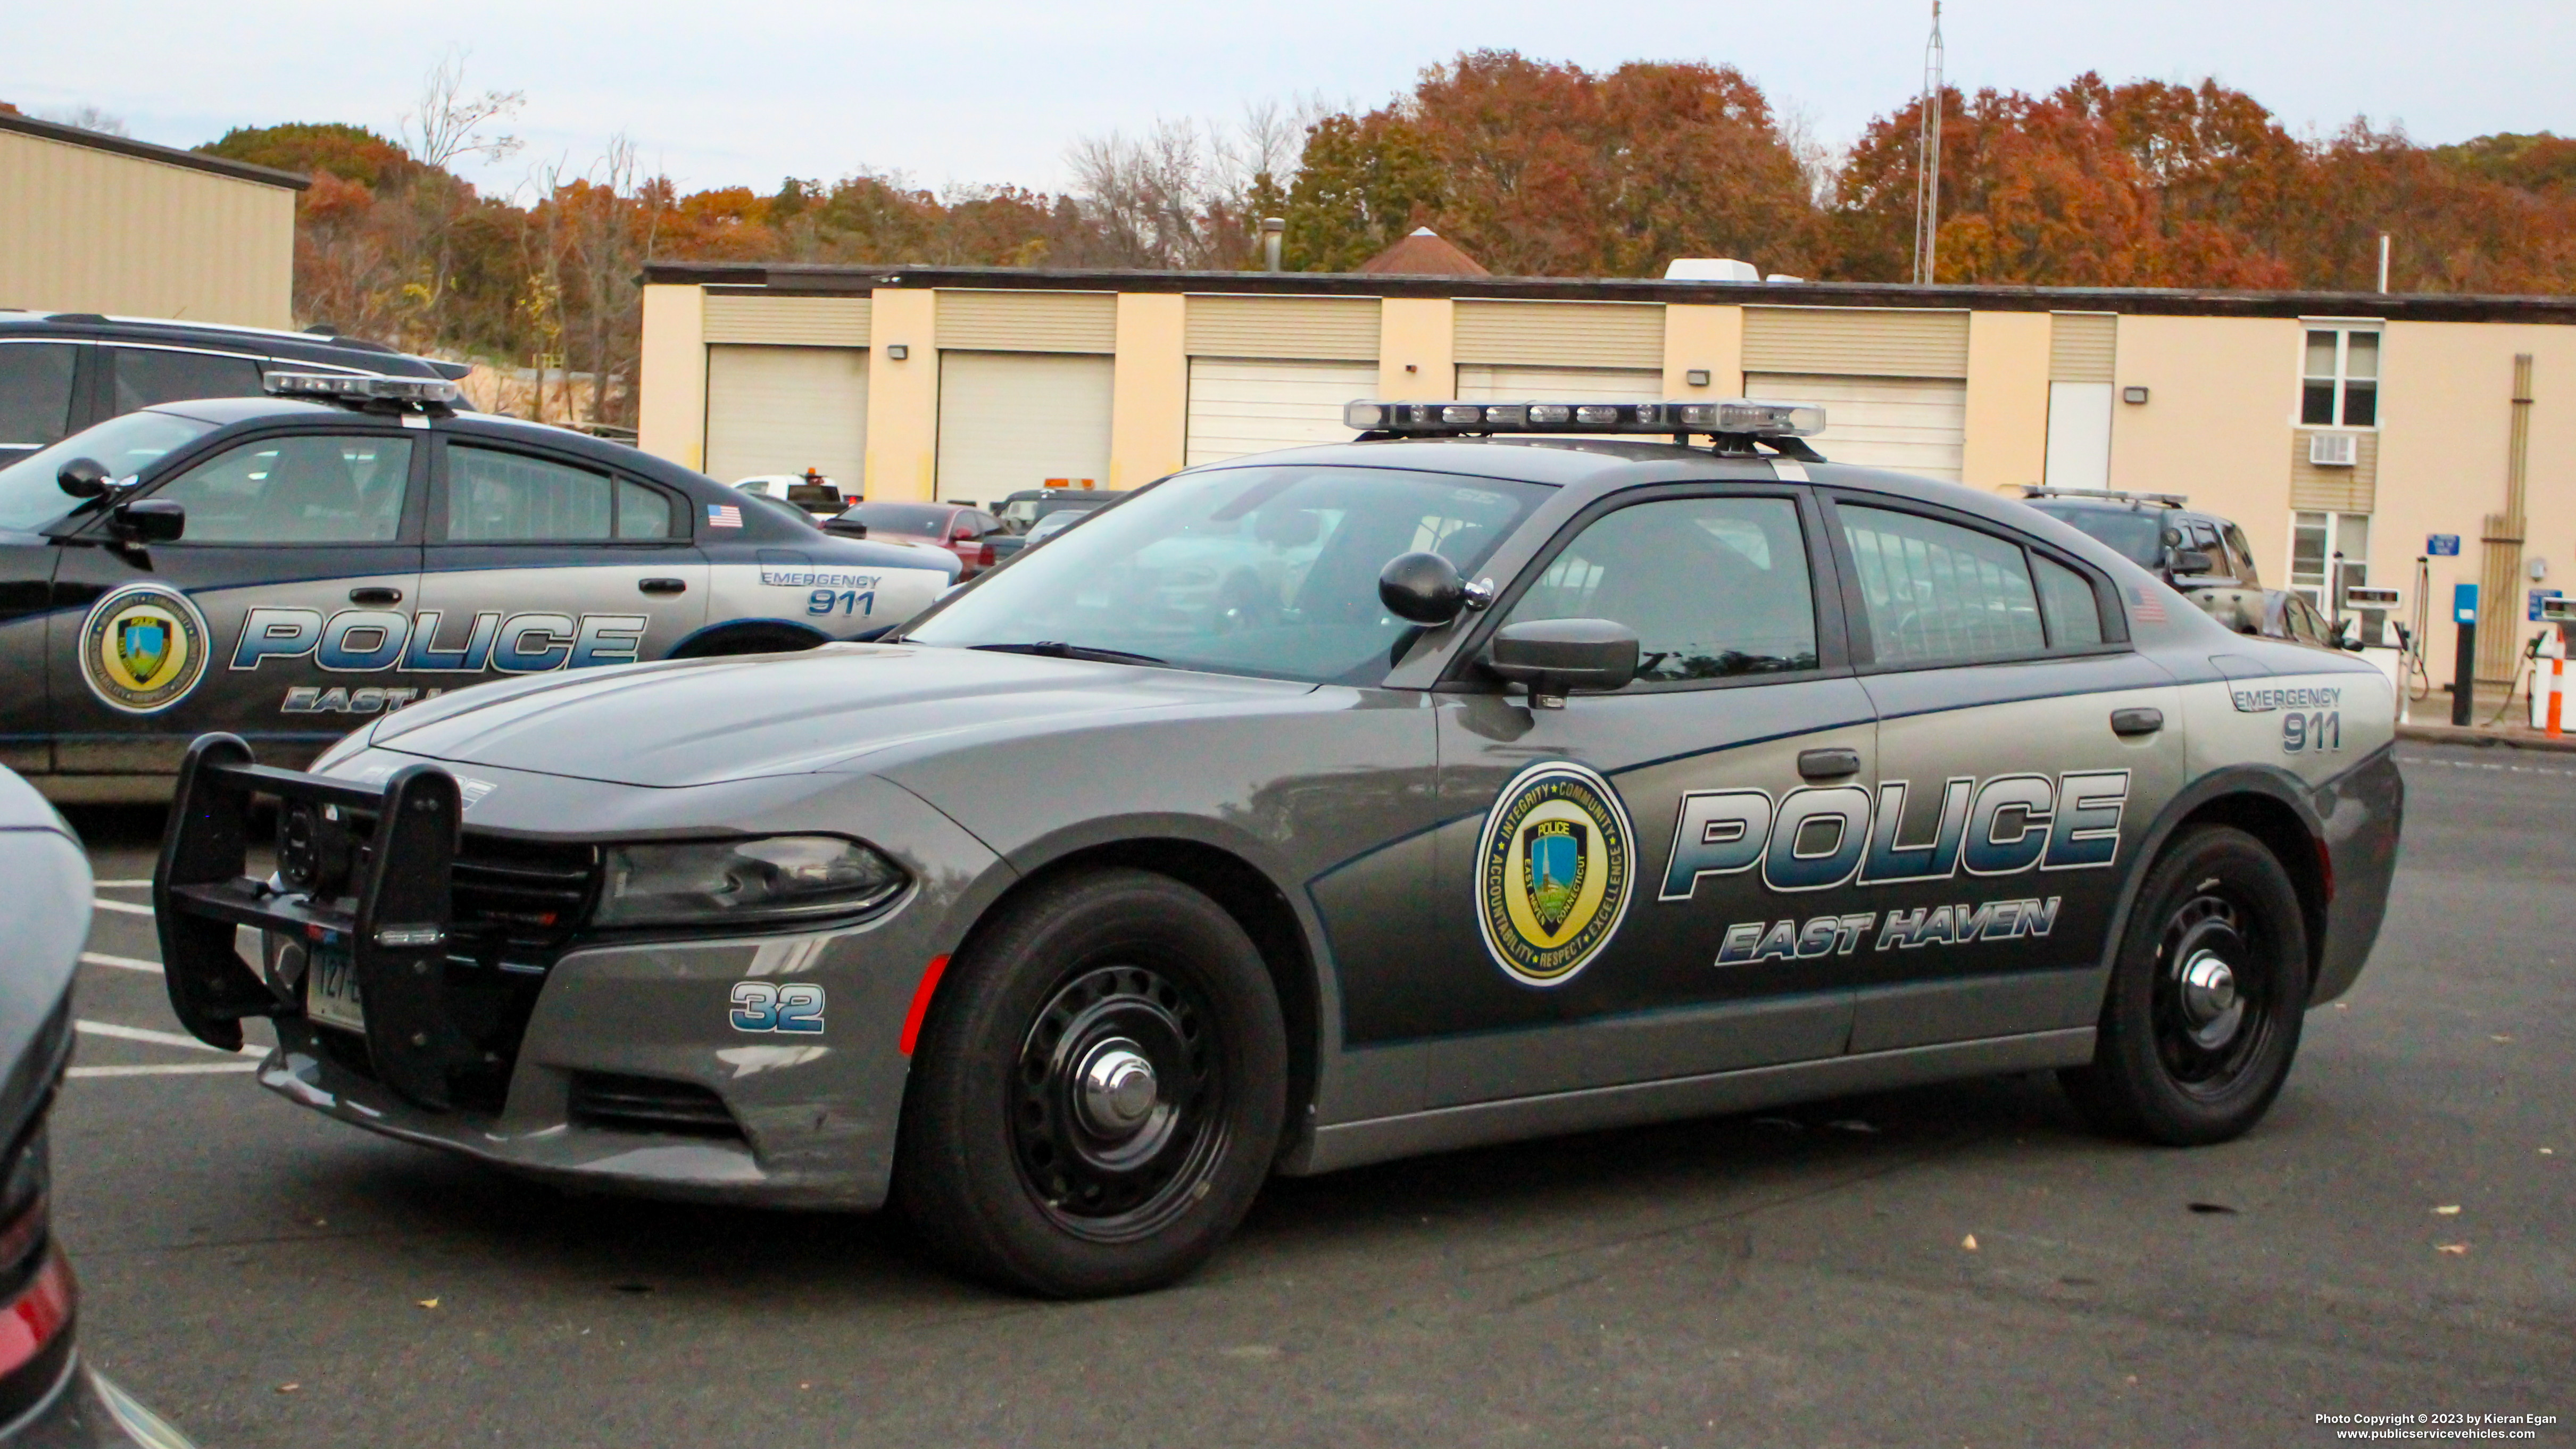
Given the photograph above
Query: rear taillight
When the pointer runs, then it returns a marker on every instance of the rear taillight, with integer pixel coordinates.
(37, 1293)
(984, 557)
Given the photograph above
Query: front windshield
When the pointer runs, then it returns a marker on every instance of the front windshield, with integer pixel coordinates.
(1268, 571)
(29, 495)
(2137, 537)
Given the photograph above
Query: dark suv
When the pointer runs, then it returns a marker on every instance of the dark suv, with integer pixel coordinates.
(2159, 532)
(61, 372)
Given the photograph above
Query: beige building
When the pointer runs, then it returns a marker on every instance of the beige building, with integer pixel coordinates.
(2324, 423)
(93, 223)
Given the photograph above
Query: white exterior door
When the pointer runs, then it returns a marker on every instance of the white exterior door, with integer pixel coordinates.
(1479, 382)
(1909, 424)
(787, 409)
(1238, 406)
(2079, 435)
(1012, 420)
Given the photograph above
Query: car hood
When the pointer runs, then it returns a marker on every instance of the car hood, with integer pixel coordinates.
(842, 707)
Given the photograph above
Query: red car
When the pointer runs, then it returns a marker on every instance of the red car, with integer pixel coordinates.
(960, 528)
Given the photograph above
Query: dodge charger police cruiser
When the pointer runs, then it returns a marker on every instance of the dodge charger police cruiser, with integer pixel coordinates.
(289, 567)
(1454, 785)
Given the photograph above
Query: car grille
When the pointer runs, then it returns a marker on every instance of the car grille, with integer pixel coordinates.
(649, 1104)
(521, 895)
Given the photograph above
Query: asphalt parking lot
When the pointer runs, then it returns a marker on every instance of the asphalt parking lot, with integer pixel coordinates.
(1958, 1265)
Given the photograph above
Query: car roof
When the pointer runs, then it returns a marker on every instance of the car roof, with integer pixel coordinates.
(1602, 465)
(227, 412)
(357, 352)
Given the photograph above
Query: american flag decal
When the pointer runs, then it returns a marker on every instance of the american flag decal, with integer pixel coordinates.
(2144, 607)
(724, 515)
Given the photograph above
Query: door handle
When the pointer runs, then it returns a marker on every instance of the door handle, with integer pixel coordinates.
(1830, 763)
(375, 596)
(2132, 723)
(663, 586)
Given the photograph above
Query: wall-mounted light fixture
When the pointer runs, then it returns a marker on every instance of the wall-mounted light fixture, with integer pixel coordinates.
(1696, 377)
(896, 351)
(2134, 396)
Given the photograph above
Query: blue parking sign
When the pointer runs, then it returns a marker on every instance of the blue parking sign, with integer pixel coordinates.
(2442, 545)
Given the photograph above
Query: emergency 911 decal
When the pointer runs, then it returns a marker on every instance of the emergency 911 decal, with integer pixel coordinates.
(143, 648)
(1555, 866)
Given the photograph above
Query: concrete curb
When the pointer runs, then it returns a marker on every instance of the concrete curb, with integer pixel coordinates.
(2487, 738)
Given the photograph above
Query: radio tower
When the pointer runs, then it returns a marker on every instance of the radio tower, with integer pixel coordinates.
(1927, 166)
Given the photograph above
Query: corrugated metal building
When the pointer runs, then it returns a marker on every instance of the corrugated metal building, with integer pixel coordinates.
(95, 223)
(969, 383)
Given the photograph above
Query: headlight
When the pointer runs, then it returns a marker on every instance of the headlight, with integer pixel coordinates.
(773, 878)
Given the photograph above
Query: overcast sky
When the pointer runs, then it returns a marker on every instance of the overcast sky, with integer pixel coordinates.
(750, 91)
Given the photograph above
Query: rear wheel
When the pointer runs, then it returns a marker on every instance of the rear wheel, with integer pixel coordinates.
(1098, 1092)
(2206, 999)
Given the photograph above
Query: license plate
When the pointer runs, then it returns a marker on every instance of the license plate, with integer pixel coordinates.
(331, 989)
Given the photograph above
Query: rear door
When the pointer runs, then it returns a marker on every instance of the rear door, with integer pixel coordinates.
(279, 615)
(537, 561)
(2022, 748)
(1647, 884)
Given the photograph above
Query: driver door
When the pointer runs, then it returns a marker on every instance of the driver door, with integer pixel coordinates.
(1652, 883)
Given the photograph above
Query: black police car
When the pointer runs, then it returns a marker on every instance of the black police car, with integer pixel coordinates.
(61, 372)
(286, 566)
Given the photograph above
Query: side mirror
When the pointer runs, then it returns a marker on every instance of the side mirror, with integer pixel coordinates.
(1422, 587)
(1556, 657)
(82, 478)
(149, 520)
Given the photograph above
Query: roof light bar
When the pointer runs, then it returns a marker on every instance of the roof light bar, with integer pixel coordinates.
(365, 388)
(1743, 416)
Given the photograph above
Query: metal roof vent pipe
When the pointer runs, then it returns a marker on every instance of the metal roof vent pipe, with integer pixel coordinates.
(1710, 269)
(1271, 227)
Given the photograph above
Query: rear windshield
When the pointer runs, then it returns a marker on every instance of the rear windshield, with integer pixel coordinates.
(29, 495)
(2137, 537)
(917, 520)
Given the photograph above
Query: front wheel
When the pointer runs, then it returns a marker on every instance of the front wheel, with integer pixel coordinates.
(1098, 1092)
(2206, 999)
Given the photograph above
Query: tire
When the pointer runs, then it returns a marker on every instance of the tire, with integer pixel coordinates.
(2206, 1000)
(1031, 1153)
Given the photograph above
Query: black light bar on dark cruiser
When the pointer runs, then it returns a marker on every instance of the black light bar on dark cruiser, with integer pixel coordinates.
(1740, 416)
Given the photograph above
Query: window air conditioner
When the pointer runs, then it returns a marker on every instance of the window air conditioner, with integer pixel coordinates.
(2334, 450)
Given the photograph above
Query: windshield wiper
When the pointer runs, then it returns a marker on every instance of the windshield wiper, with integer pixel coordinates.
(1055, 649)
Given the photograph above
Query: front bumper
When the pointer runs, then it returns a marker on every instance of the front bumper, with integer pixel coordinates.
(812, 1116)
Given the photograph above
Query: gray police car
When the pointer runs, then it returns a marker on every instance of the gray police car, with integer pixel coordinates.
(287, 567)
(1444, 787)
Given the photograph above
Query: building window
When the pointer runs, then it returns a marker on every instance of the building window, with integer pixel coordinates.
(2339, 380)
(2315, 541)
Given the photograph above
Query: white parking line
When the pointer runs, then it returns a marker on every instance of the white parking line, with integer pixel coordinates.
(2482, 765)
(122, 963)
(190, 1069)
(122, 885)
(156, 1038)
(122, 907)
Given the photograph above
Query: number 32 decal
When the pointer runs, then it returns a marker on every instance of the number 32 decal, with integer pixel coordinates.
(764, 1006)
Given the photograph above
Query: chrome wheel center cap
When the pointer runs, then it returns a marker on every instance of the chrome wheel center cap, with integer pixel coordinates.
(2208, 988)
(1116, 1089)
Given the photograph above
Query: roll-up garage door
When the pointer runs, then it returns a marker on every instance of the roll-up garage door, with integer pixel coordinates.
(787, 409)
(1559, 384)
(1239, 406)
(1910, 424)
(1012, 420)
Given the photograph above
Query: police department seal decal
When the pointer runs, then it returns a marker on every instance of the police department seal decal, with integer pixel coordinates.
(1553, 871)
(143, 648)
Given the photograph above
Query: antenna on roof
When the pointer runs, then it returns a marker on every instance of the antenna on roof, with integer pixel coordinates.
(1927, 163)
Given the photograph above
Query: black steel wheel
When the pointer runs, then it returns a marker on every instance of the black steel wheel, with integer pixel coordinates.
(1098, 1090)
(1120, 1113)
(2206, 1000)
